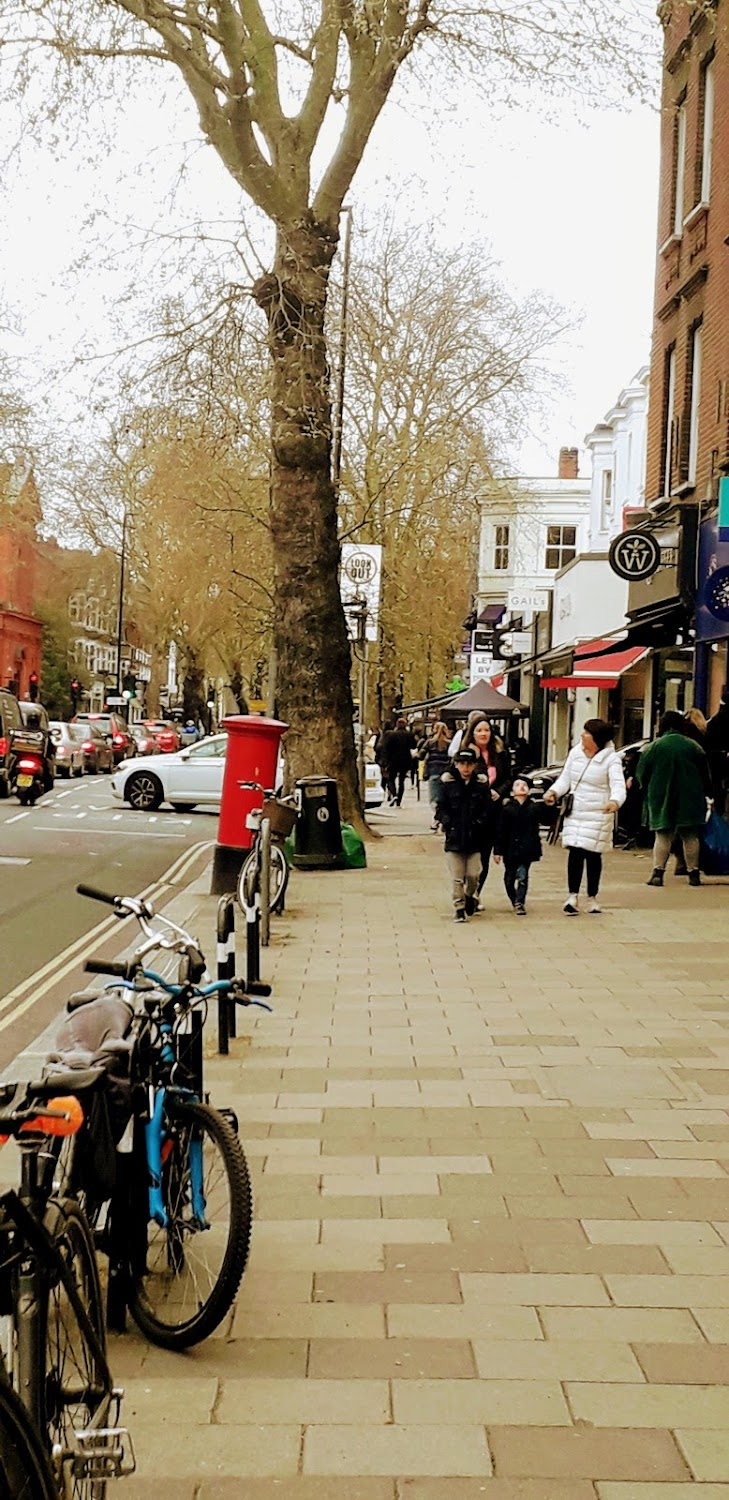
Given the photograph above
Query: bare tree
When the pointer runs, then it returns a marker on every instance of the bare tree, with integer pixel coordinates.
(288, 96)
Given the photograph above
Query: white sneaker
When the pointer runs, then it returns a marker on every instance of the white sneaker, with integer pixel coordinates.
(595, 909)
(571, 907)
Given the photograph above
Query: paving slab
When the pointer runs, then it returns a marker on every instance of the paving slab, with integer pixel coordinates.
(491, 1169)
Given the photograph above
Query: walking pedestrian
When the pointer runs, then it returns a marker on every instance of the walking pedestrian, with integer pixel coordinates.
(436, 760)
(481, 737)
(674, 775)
(594, 786)
(464, 806)
(519, 842)
(397, 749)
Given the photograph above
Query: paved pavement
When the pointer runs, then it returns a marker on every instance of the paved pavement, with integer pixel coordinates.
(492, 1202)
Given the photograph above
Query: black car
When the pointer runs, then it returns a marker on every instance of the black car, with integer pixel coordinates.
(10, 719)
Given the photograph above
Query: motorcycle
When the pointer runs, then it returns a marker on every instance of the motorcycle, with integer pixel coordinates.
(30, 769)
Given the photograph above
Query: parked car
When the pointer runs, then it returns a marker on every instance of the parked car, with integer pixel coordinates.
(10, 719)
(374, 790)
(144, 740)
(165, 733)
(69, 751)
(117, 731)
(185, 778)
(97, 749)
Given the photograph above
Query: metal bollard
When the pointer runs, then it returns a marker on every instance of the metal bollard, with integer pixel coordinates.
(226, 968)
(265, 881)
(253, 939)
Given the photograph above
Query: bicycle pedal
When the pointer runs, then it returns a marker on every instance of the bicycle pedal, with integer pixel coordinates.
(104, 1453)
(230, 1117)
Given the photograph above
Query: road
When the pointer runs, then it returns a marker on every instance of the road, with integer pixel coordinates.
(77, 832)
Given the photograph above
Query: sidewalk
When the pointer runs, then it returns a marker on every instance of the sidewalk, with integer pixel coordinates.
(492, 1203)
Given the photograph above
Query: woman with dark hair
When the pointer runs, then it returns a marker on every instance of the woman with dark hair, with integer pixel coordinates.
(494, 760)
(436, 760)
(593, 783)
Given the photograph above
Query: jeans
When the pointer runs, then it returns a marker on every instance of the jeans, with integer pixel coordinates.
(396, 785)
(464, 870)
(664, 838)
(516, 880)
(576, 862)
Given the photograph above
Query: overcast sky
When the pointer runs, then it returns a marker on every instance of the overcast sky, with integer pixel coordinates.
(568, 208)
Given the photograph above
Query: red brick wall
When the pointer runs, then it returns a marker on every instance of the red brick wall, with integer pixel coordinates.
(692, 275)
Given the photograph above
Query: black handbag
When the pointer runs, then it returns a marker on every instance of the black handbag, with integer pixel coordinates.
(565, 811)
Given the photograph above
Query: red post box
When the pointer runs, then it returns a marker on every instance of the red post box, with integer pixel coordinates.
(251, 756)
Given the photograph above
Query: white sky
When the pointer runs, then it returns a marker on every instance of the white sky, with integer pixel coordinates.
(568, 208)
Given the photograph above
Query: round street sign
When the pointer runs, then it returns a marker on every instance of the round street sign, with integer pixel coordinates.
(717, 594)
(360, 568)
(635, 555)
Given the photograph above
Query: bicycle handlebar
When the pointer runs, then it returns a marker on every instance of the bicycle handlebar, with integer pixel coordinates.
(95, 894)
(106, 966)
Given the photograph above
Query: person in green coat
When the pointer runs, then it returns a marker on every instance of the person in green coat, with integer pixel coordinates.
(675, 779)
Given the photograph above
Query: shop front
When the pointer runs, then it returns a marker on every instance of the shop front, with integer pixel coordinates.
(712, 614)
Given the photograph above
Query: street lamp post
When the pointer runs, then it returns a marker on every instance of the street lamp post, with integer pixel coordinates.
(120, 614)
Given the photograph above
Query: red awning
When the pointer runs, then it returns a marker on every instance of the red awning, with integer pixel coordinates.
(592, 669)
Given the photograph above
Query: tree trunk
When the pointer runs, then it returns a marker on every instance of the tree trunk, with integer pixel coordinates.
(313, 660)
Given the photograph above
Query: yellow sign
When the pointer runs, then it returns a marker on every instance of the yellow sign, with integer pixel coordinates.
(256, 706)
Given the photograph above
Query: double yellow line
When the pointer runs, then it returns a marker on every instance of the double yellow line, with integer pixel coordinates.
(29, 991)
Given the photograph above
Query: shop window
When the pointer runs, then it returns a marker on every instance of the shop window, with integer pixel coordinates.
(501, 548)
(561, 546)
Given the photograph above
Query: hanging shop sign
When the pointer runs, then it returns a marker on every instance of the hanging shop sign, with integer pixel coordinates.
(635, 554)
(712, 597)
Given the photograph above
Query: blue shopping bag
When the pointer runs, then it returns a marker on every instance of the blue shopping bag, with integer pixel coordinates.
(715, 846)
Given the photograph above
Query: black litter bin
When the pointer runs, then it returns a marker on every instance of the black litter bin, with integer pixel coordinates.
(318, 837)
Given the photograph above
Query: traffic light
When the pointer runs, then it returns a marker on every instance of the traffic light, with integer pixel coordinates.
(129, 685)
(33, 687)
(75, 689)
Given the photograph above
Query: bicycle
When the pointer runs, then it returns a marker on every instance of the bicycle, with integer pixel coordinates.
(280, 814)
(65, 1441)
(175, 1221)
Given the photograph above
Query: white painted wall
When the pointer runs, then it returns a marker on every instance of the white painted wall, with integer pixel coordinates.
(589, 601)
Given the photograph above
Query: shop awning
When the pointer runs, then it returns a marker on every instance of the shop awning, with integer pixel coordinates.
(597, 664)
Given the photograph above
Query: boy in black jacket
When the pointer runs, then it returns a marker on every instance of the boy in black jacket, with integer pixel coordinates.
(463, 810)
(518, 841)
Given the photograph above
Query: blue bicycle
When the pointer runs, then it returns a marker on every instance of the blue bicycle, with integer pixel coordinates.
(163, 1176)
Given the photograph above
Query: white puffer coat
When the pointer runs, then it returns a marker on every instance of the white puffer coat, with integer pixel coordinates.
(594, 781)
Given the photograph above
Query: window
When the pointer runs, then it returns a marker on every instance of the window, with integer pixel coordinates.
(679, 159)
(695, 401)
(669, 406)
(75, 606)
(707, 128)
(561, 546)
(501, 548)
(607, 495)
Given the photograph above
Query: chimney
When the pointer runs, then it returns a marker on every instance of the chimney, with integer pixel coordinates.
(569, 463)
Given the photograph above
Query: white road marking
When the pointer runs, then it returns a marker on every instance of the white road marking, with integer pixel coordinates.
(112, 833)
(8, 860)
(17, 817)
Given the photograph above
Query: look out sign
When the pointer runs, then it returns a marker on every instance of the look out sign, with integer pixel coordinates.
(360, 583)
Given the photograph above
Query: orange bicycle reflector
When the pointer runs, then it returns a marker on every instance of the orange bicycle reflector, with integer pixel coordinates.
(66, 1118)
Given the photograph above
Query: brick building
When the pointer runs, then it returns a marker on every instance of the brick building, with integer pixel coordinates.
(688, 418)
(20, 631)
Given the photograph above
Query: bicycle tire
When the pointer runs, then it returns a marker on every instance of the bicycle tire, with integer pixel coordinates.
(77, 1391)
(25, 1471)
(250, 875)
(176, 1298)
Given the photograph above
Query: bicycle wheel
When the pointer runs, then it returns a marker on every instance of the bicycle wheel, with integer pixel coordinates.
(193, 1269)
(248, 880)
(77, 1395)
(279, 877)
(25, 1473)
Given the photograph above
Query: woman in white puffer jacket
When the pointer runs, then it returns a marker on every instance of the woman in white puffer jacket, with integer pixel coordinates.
(593, 774)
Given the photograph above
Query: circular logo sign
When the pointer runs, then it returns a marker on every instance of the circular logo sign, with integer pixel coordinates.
(323, 814)
(360, 568)
(635, 555)
(716, 595)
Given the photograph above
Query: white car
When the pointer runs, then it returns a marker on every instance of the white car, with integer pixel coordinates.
(184, 778)
(194, 778)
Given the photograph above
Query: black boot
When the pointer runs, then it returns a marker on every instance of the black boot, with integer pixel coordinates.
(656, 878)
(694, 877)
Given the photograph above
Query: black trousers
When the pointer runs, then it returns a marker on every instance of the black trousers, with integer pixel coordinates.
(396, 784)
(486, 851)
(577, 860)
